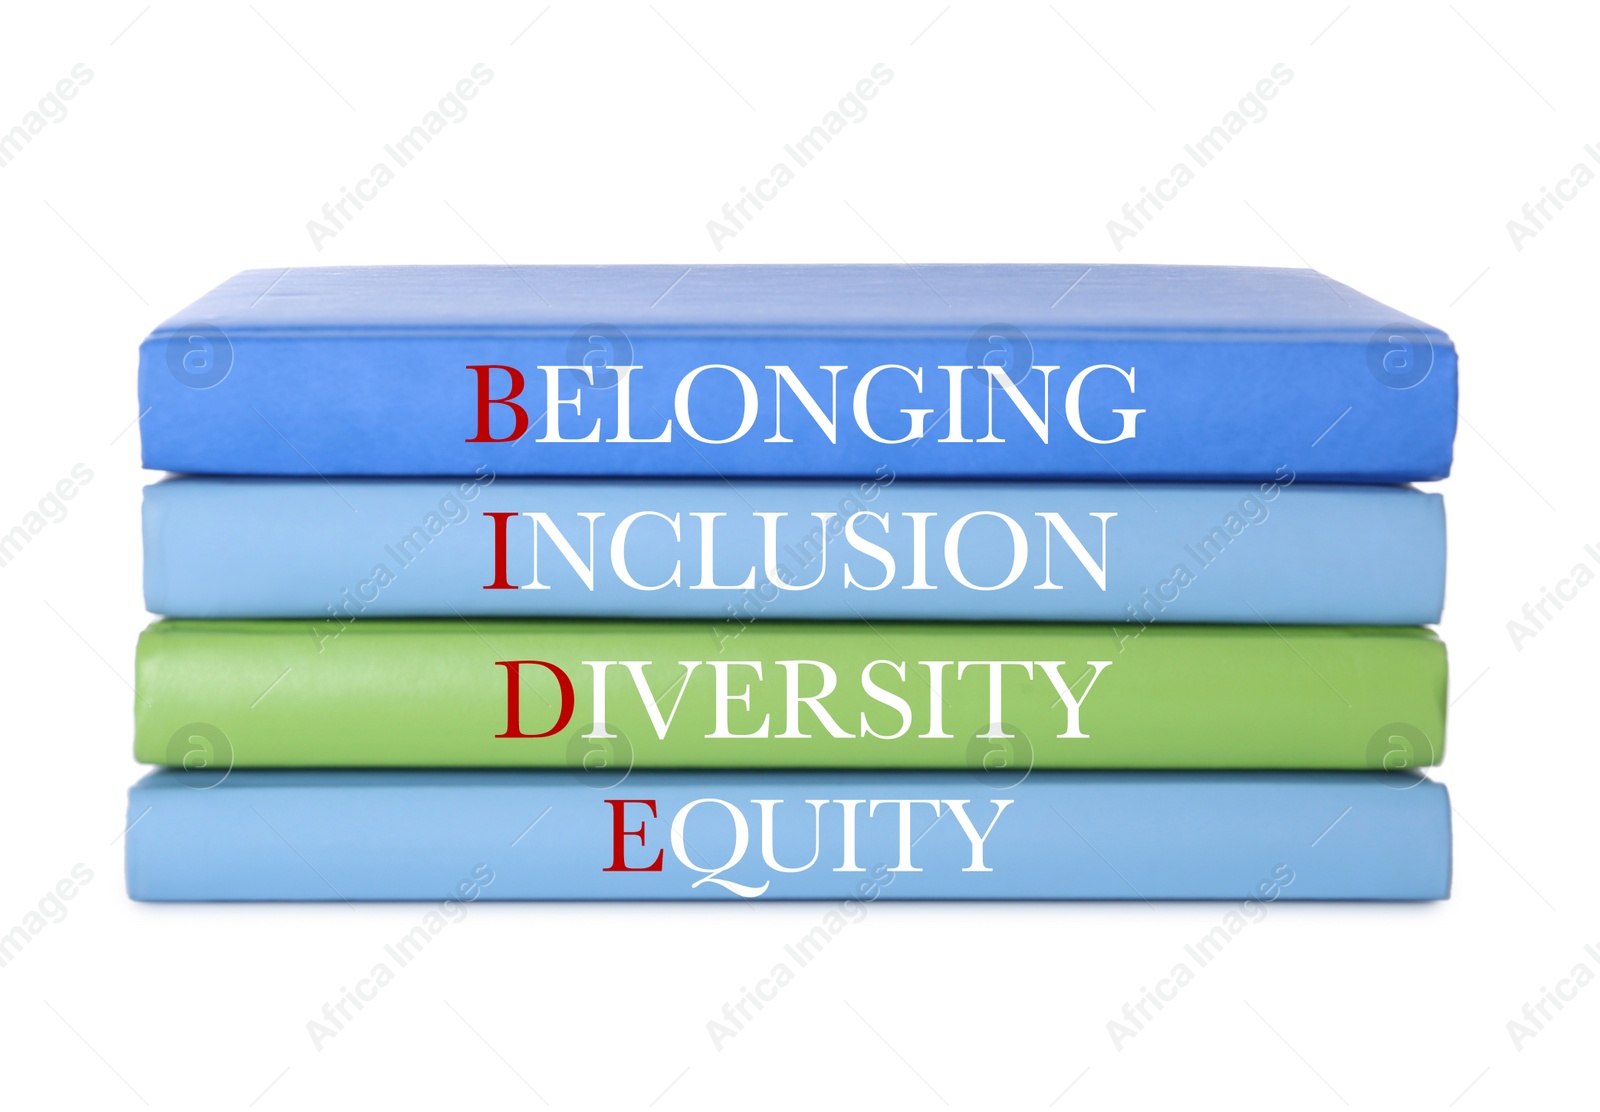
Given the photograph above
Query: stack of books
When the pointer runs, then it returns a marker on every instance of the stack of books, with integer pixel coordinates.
(792, 582)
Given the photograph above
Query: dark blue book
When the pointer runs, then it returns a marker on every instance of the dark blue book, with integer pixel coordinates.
(611, 834)
(998, 371)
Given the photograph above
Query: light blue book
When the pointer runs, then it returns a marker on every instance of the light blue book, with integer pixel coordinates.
(348, 549)
(613, 835)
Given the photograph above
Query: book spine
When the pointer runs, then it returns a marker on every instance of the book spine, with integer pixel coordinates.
(767, 404)
(619, 695)
(456, 838)
(1278, 551)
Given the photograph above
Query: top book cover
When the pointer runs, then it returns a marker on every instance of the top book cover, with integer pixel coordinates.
(1001, 371)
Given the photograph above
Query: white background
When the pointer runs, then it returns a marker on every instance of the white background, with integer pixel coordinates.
(209, 136)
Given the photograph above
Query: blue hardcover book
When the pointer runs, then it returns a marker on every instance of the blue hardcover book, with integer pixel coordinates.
(970, 371)
(260, 835)
(1279, 551)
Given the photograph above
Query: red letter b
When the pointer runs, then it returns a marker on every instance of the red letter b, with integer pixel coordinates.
(520, 415)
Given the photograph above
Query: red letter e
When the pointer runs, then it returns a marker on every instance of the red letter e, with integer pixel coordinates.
(619, 856)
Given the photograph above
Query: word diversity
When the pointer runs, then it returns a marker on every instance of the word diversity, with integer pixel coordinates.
(926, 679)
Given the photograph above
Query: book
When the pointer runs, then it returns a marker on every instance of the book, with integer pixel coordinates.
(1280, 552)
(454, 837)
(962, 371)
(608, 695)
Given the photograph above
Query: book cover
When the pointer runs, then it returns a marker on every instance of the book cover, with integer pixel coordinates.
(960, 371)
(1282, 552)
(456, 837)
(609, 695)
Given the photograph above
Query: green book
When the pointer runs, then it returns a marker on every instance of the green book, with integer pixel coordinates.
(605, 696)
